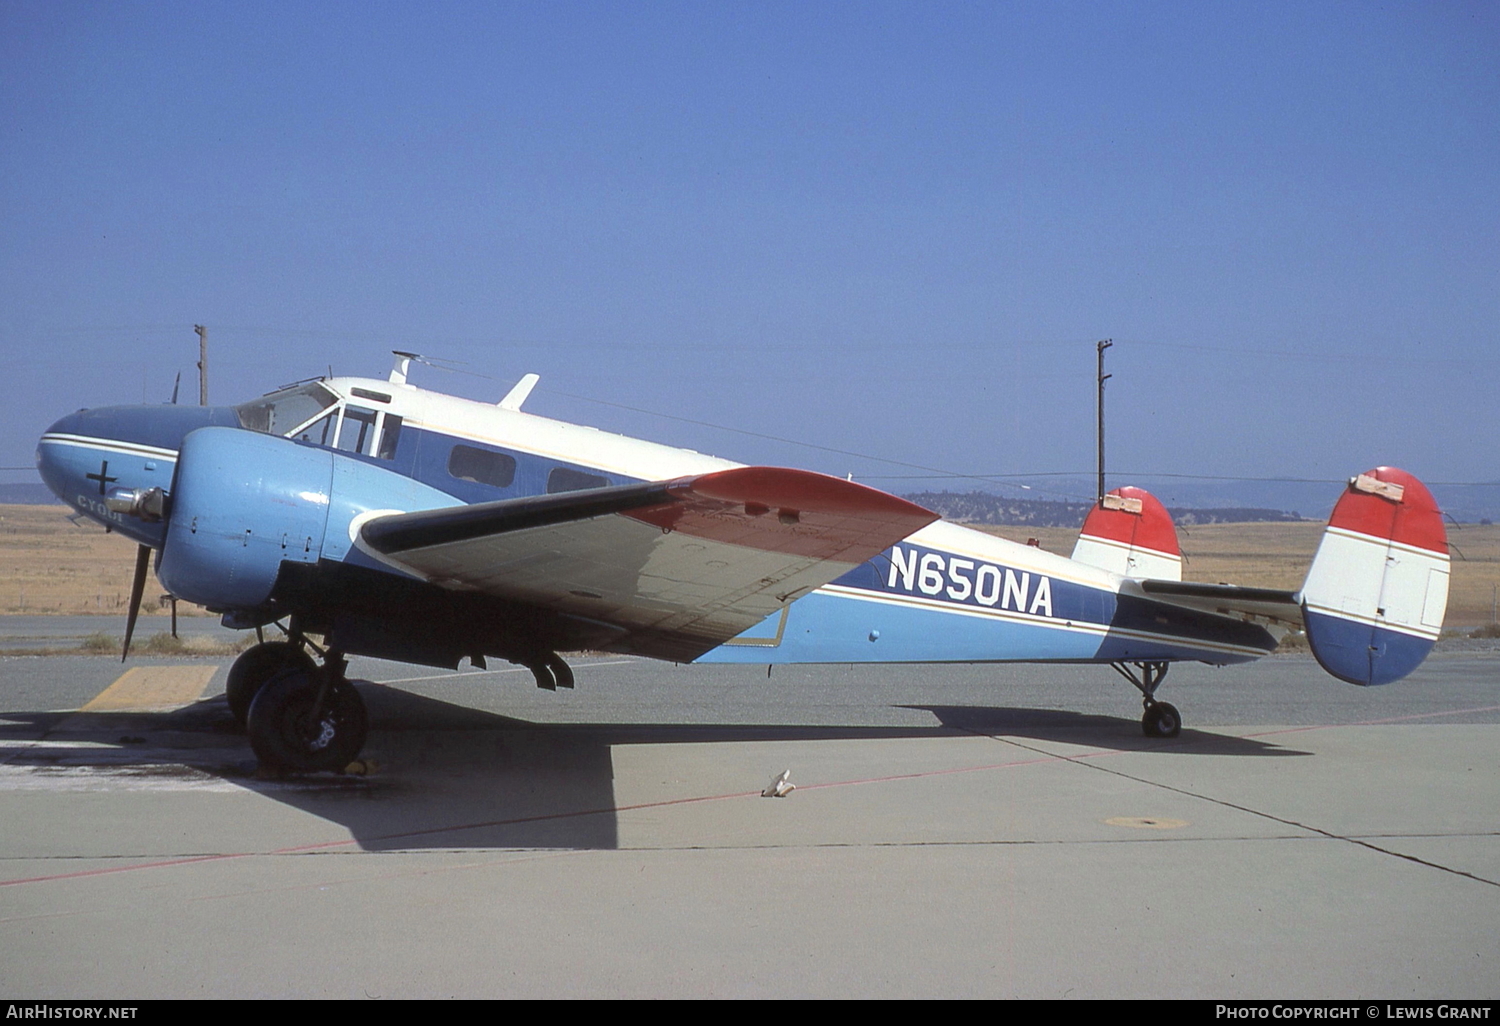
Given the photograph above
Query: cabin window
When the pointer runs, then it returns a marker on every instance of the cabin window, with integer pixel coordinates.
(390, 431)
(467, 463)
(564, 480)
(358, 430)
(283, 412)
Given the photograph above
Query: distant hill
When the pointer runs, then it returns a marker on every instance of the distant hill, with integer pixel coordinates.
(1190, 515)
(983, 508)
(1465, 503)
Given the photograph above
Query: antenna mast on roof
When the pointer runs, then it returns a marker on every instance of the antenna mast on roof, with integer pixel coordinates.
(403, 364)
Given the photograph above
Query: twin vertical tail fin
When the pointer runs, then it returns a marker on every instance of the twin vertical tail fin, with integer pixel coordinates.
(1375, 595)
(1130, 533)
(1376, 592)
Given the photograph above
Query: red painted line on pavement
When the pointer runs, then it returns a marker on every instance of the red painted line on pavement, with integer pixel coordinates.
(1374, 723)
(955, 769)
(297, 849)
(165, 863)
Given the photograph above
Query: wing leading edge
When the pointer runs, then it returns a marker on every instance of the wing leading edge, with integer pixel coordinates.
(671, 568)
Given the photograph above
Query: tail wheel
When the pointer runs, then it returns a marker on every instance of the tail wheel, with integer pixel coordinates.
(255, 667)
(1161, 720)
(289, 731)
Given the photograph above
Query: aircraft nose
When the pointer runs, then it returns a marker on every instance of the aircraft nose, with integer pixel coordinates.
(88, 454)
(52, 459)
(64, 426)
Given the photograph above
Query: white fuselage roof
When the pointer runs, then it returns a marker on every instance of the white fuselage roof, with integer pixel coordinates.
(650, 461)
(529, 433)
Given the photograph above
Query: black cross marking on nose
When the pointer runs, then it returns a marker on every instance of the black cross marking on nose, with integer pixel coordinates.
(102, 477)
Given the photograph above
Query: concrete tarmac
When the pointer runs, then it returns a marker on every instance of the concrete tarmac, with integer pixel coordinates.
(956, 831)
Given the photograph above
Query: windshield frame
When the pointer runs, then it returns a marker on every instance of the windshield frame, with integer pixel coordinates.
(266, 406)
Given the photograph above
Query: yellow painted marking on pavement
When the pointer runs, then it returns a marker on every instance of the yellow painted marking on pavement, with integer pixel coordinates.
(152, 688)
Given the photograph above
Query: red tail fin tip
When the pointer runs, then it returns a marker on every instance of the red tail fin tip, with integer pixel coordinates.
(1130, 532)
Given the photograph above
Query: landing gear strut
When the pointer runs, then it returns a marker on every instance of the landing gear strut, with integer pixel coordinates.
(307, 719)
(1161, 719)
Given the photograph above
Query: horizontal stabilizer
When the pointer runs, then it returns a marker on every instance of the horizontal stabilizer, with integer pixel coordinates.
(1130, 533)
(1268, 604)
(1376, 593)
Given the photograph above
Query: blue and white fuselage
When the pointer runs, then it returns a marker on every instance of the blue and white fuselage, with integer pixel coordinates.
(367, 447)
(395, 522)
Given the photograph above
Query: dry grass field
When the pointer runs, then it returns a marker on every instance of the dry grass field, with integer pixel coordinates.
(50, 565)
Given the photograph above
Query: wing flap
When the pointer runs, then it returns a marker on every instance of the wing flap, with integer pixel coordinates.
(678, 566)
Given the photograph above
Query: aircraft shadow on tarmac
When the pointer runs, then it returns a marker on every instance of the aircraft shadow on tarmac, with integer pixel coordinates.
(457, 777)
(1114, 732)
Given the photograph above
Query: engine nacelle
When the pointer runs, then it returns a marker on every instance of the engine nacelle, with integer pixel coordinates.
(242, 504)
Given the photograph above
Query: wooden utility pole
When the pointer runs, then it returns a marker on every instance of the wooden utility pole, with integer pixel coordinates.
(1103, 377)
(202, 364)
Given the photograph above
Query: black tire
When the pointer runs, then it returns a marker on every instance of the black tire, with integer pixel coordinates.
(1162, 720)
(255, 667)
(283, 736)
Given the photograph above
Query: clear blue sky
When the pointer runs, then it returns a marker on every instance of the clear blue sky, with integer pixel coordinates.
(893, 229)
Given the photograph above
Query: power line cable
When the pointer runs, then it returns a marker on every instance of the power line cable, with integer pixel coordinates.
(406, 339)
(437, 363)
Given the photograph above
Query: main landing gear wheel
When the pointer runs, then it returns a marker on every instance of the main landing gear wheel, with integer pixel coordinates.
(255, 667)
(1161, 720)
(303, 722)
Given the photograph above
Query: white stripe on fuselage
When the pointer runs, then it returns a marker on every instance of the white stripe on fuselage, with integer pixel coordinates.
(109, 445)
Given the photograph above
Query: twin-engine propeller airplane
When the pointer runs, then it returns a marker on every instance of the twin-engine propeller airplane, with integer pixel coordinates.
(406, 524)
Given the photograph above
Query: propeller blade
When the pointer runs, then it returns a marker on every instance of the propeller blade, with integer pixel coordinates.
(175, 385)
(137, 587)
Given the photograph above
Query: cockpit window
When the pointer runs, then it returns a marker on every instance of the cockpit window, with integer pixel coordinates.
(280, 413)
(320, 431)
